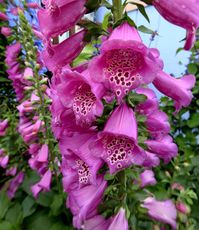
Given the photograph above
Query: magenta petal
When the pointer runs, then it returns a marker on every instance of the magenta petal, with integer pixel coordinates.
(122, 122)
(53, 23)
(119, 222)
(96, 223)
(35, 189)
(45, 181)
(163, 211)
(147, 178)
(60, 55)
(177, 89)
(43, 153)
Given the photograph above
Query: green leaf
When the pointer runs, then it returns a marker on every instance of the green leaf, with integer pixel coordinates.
(192, 68)
(30, 179)
(109, 177)
(45, 198)
(29, 206)
(4, 204)
(56, 205)
(193, 121)
(14, 215)
(5, 225)
(2, 79)
(146, 30)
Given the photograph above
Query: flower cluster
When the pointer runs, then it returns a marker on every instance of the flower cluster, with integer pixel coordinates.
(80, 96)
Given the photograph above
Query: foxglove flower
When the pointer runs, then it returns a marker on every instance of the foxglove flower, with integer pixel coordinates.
(124, 62)
(57, 56)
(119, 222)
(157, 124)
(177, 89)
(59, 16)
(6, 31)
(117, 143)
(83, 202)
(96, 223)
(163, 147)
(3, 127)
(151, 160)
(147, 178)
(79, 94)
(79, 166)
(163, 211)
(181, 207)
(43, 184)
(150, 104)
(14, 184)
(182, 13)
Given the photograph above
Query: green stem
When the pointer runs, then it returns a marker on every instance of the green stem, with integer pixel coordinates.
(117, 10)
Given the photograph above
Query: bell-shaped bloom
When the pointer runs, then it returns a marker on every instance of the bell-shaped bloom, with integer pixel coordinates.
(14, 184)
(151, 160)
(82, 96)
(83, 202)
(79, 166)
(119, 221)
(117, 143)
(164, 147)
(11, 171)
(182, 207)
(43, 184)
(3, 17)
(60, 16)
(150, 104)
(163, 211)
(177, 89)
(6, 31)
(96, 223)
(124, 62)
(157, 124)
(3, 127)
(57, 56)
(4, 161)
(182, 13)
(147, 178)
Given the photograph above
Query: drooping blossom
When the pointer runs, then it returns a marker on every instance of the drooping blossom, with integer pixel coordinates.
(96, 223)
(182, 207)
(78, 93)
(164, 147)
(83, 202)
(6, 31)
(11, 171)
(3, 127)
(147, 178)
(43, 184)
(124, 62)
(182, 13)
(177, 89)
(151, 160)
(117, 143)
(59, 16)
(59, 55)
(14, 184)
(163, 211)
(79, 167)
(119, 222)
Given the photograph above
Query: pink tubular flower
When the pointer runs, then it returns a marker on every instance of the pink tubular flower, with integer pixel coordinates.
(177, 89)
(84, 201)
(79, 94)
(79, 166)
(117, 143)
(150, 105)
(163, 211)
(182, 13)
(151, 160)
(59, 16)
(3, 127)
(57, 56)
(157, 124)
(11, 171)
(181, 207)
(6, 31)
(3, 17)
(119, 222)
(4, 161)
(14, 184)
(96, 223)
(163, 147)
(43, 184)
(147, 178)
(125, 62)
